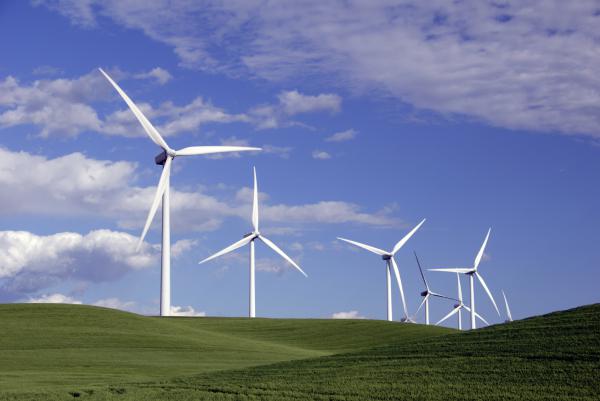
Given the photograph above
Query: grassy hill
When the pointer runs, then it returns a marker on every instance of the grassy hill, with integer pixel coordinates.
(62, 351)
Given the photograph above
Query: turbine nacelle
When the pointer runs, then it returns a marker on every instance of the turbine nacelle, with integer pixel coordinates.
(161, 158)
(424, 293)
(386, 257)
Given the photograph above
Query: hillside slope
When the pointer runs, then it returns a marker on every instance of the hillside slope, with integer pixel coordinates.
(48, 347)
(552, 357)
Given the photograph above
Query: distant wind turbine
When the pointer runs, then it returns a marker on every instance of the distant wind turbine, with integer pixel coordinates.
(459, 306)
(249, 239)
(165, 158)
(471, 272)
(390, 263)
(508, 315)
(427, 293)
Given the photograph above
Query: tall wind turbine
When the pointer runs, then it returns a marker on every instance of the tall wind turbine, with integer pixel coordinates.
(249, 239)
(427, 293)
(459, 306)
(472, 272)
(389, 264)
(508, 315)
(165, 158)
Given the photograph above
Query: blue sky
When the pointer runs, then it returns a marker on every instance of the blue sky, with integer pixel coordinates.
(372, 116)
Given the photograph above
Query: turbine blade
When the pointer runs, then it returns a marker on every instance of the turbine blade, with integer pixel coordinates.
(452, 312)
(397, 273)
(452, 270)
(255, 205)
(507, 308)
(435, 294)
(230, 248)
(421, 271)
(481, 250)
(162, 185)
(281, 253)
(422, 303)
(369, 248)
(205, 150)
(401, 243)
(476, 315)
(148, 127)
(460, 297)
(485, 287)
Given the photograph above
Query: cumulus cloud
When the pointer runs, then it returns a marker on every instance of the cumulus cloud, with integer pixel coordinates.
(77, 185)
(55, 298)
(188, 311)
(116, 303)
(320, 155)
(522, 65)
(161, 76)
(347, 315)
(66, 107)
(30, 262)
(342, 136)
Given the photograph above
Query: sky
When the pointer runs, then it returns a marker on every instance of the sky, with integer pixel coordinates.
(371, 117)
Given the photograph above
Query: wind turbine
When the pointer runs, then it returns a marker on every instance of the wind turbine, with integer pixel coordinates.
(459, 306)
(249, 239)
(508, 315)
(472, 272)
(165, 158)
(427, 293)
(389, 264)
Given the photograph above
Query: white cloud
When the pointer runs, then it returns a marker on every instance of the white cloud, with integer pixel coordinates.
(320, 155)
(185, 311)
(294, 102)
(347, 315)
(30, 262)
(55, 298)
(75, 185)
(342, 136)
(116, 303)
(161, 76)
(522, 65)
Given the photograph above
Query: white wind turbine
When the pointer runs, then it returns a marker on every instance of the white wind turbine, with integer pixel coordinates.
(508, 314)
(471, 272)
(389, 264)
(459, 306)
(249, 239)
(165, 158)
(427, 293)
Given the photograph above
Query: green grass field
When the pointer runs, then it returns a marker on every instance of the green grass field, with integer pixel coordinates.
(71, 351)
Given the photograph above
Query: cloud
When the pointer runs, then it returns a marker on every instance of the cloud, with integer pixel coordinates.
(30, 262)
(116, 303)
(55, 298)
(294, 102)
(291, 103)
(342, 136)
(347, 315)
(75, 185)
(67, 107)
(523, 65)
(160, 75)
(320, 155)
(185, 311)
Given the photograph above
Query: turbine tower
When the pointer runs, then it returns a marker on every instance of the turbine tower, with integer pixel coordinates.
(427, 293)
(508, 314)
(165, 158)
(459, 306)
(389, 264)
(249, 239)
(473, 272)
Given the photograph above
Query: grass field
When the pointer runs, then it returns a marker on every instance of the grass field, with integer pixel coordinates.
(73, 351)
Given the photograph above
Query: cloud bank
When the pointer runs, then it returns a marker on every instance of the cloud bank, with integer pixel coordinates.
(527, 65)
